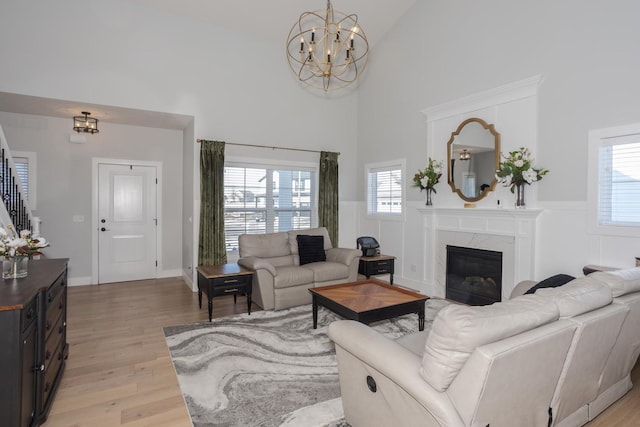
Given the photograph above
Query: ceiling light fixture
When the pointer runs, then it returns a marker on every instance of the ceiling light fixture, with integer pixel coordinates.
(85, 123)
(465, 155)
(327, 50)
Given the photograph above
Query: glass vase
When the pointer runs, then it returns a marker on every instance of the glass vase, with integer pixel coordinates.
(520, 196)
(14, 267)
(429, 191)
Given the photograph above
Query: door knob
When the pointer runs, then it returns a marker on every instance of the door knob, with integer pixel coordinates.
(104, 229)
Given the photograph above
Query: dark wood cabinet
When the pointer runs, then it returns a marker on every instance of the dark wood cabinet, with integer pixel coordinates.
(33, 345)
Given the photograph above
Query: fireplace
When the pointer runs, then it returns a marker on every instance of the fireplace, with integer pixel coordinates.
(473, 276)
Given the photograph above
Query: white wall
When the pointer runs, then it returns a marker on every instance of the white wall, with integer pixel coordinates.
(64, 182)
(237, 86)
(442, 51)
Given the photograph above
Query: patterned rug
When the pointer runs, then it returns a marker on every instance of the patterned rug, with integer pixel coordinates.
(267, 369)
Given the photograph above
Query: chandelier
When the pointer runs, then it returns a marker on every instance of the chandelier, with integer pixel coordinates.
(465, 154)
(327, 50)
(85, 123)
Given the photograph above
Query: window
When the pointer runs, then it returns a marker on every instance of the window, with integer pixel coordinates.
(25, 163)
(614, 176)
(260, 199)
(384, 188)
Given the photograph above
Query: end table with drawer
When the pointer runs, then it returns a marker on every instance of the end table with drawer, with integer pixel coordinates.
(380, 264)
(224, 279)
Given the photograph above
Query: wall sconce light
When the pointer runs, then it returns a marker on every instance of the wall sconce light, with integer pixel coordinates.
(465, 155)
(85, 123)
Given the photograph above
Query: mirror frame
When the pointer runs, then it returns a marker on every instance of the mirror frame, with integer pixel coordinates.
(496, 136)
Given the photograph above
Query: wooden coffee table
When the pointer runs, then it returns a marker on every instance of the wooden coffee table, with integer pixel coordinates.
(368, 301)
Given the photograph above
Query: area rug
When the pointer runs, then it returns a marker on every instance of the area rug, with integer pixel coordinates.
(270, 368)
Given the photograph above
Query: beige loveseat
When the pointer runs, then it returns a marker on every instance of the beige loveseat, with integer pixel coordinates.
(279, 279)
(557, 357)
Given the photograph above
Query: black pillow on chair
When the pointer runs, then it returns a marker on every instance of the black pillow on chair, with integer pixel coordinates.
(551, 282)
(311, 248)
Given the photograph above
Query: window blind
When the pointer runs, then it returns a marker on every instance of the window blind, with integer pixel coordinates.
(22, 169)
(619, 181)
(385, 190)
(267, 200)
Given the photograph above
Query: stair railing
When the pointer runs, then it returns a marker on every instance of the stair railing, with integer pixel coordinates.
(15, 208)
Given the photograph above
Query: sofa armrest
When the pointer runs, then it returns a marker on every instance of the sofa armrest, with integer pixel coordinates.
(397, 363)
(521, 288)
(342, 255)
(255, 263)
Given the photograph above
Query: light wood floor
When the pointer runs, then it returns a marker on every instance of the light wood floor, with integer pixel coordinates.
(119, 371)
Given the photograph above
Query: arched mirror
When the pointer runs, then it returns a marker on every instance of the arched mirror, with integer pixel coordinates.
(473, 156)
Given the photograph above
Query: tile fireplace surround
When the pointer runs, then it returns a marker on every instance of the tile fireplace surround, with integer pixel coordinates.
(510, 231)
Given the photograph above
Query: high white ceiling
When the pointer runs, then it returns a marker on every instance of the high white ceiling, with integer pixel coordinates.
(271, 19)
(274, 18)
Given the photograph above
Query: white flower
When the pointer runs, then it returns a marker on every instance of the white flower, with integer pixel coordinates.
(25, 234)
(16, 243)
(424, 181)
(519, 163)
(41, 242)
(530, 176)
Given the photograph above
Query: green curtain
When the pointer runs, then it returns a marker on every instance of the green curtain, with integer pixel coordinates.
(328, 194)
(211, 245)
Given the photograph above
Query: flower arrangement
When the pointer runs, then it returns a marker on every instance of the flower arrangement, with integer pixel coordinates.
(426, 179)
(516, 169)
(24, 244)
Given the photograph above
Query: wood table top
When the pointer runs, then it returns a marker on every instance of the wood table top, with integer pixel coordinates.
(367, 295)
(16, 293)
(223, 270)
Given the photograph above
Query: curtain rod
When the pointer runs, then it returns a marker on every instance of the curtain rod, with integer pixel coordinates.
(267, 146)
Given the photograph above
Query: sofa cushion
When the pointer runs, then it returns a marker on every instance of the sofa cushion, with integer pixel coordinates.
(458, 329)
(326, 271)
(320, 231)
(578, 296)
(293, 275)
(264, 245)
(621, 282)
(311, 248)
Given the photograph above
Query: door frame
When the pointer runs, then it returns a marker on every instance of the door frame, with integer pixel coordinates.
(95, 227)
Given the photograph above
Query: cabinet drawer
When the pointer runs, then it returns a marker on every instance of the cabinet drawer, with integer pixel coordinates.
(55, 290)
(53, 341)
(231, 288)
(55, 309)
(29, 313)
(51, 371)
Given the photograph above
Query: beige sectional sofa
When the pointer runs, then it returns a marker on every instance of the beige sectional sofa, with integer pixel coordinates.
(279, 279)
(557, 357)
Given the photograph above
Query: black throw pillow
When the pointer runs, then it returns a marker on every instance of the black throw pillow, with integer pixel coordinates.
(551, 282)
(311, 248)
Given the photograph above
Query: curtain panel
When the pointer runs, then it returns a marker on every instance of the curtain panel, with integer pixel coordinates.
(328, 194)
(211, 243)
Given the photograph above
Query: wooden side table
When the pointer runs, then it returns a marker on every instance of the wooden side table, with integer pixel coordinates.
(224, 279)
(381, 264)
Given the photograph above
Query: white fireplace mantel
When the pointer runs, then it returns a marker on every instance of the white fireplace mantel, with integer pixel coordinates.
(510, 231)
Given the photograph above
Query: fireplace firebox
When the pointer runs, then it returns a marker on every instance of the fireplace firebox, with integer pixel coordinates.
(474, 276)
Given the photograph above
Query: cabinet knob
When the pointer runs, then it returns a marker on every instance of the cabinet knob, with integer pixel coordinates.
(47, 355)
(30, 313)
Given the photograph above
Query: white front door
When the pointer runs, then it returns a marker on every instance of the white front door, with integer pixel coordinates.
(127, 222)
